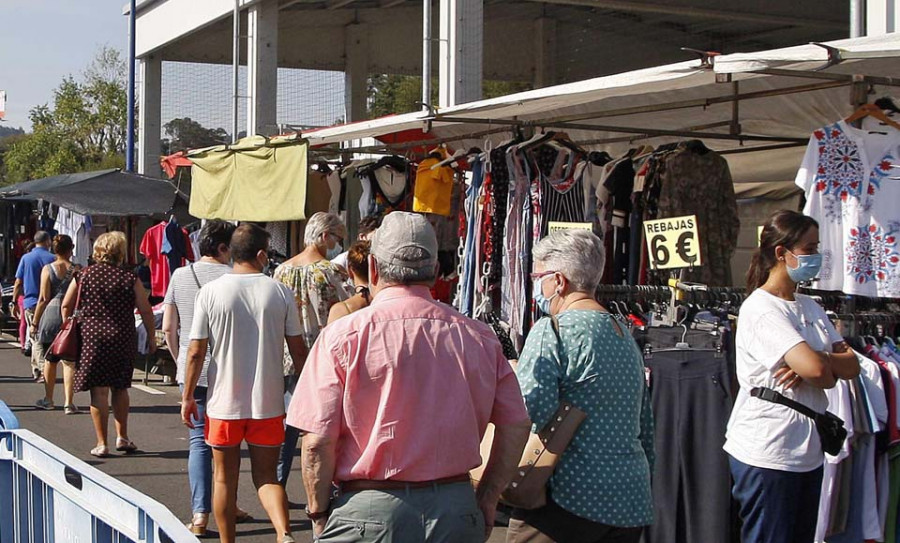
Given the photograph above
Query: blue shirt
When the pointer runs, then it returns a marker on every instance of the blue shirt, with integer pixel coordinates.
(604, 474)
(29, 272)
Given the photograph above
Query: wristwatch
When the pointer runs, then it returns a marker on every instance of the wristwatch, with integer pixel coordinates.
(315, 516)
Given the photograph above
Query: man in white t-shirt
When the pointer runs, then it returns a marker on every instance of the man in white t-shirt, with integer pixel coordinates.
(244, 318)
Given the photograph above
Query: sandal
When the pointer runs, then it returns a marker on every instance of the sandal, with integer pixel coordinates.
(242, 516)
(100, 451)
(198, 524)
(125, 445)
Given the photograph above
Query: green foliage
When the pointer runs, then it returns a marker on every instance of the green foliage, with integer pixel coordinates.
(390, 94)
(82, 130)
(184, 134)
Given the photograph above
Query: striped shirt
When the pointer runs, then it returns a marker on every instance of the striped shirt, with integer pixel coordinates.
(182, 292)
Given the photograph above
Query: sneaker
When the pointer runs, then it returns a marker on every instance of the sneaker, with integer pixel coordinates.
(71, 410)
(45, 404)
(287, 538)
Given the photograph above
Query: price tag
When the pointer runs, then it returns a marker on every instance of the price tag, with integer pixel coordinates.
(673, 243)
(553, 226)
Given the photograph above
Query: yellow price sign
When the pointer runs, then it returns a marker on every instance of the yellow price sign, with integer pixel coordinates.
(553, 226)
(673, 243)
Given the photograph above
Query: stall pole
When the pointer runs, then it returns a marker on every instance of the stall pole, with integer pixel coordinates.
(235, 68)
(129, 138)
(426, 55)
(857, 18)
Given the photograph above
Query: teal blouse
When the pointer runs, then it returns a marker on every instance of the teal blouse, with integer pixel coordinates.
(604, 475)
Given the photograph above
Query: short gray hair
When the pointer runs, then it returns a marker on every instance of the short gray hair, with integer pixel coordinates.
(322, 223)
(41, 237)
(577, 254)
(394, 274)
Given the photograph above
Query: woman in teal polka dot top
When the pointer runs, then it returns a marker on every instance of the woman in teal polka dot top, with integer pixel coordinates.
(600, 491)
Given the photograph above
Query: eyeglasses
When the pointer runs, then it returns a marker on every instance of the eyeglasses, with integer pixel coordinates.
(536, 276)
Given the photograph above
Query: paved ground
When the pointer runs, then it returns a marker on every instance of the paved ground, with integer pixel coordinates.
(160, 469)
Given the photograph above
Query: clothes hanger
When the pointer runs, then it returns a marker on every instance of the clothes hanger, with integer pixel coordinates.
(871, 110)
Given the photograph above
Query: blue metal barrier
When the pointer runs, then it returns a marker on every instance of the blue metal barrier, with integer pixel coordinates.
(48, 495)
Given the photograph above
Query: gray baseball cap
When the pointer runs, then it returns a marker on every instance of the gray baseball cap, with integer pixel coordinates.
(402, 230)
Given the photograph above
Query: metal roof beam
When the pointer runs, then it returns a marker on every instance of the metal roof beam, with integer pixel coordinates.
(338, 4)
(700, 13)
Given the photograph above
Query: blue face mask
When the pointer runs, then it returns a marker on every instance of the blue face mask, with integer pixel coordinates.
(541, 301)
(807, 269)
(333, 253)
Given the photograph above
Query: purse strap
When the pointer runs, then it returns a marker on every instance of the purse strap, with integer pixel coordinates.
(78, 296)
(773, 396)
(196, 280)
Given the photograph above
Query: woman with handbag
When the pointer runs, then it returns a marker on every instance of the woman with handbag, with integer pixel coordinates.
(55, 279)
(579, 354)
(103, 298)
(784, 343)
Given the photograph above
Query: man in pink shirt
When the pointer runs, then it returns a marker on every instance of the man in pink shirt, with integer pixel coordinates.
(395, 399)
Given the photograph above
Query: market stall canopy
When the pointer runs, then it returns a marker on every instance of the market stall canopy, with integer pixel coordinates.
(767, 102)
(254, 179)
(104, 192)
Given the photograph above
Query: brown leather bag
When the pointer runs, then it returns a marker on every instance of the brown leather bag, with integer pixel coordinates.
(67, 343)
(528, 489)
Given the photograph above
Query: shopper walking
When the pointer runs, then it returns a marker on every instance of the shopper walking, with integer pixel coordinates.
(244, 318)
(106, 295)
(178, 317)
(784, 342)
(358, 266)
(28, 284)
(317, 285)
(55, 279)
(600, 491)
(395, 399)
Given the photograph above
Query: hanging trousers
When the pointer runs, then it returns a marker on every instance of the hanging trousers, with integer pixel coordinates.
(690, 394)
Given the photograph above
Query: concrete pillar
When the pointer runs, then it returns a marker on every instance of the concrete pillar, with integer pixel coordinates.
(262, 68)
(356, 72)
(149, 115)
(881, 17)
(544, 52)
(462, 50)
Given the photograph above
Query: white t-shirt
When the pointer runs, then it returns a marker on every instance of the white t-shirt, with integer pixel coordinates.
(845, 175)
(246, 318)
(765, 434)
(341, 260)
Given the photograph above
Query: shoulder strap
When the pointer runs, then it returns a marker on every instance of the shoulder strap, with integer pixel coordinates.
(78, 296)
(770, 395)
(196, 280)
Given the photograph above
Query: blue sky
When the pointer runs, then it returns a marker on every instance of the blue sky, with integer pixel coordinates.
(42, 41)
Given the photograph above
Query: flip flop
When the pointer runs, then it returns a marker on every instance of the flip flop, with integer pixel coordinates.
(125, 445)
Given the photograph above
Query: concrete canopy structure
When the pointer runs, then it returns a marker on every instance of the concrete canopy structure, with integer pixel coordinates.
(540, 42)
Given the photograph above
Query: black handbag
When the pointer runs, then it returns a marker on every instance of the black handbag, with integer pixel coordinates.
(830, 427)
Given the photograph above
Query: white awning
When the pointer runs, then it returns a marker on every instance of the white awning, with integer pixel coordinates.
(775, 113)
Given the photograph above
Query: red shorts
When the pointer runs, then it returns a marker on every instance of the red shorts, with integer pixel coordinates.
(230, 433)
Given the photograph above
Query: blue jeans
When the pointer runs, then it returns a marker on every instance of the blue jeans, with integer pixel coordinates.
(776, 506)
(291, 435)
(200, 458)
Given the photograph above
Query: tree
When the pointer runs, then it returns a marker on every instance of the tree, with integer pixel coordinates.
(84, 129)
(390, 93)
(185, 133)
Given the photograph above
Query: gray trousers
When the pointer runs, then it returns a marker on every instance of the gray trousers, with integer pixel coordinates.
(440, 513)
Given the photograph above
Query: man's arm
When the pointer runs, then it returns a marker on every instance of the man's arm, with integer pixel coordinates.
(319, 454)
(299, 352)
(195, 358)
(17, 291)
(506, 451)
